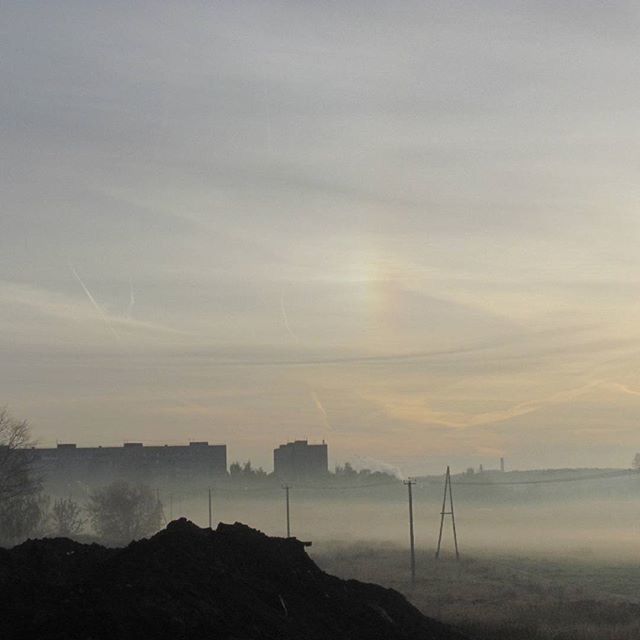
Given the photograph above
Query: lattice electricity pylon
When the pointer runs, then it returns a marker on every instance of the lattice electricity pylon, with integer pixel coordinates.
(443, 513)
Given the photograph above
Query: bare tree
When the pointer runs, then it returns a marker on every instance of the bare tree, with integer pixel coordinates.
(23, 517)
(66, 518)
(23, 508)
(17, 476)
(121, 512)
(635, 463)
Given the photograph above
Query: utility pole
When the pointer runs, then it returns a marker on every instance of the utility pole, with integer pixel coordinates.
(286, 488)
(160, 506)
(210, 508)
(410, 484)
(443, 513)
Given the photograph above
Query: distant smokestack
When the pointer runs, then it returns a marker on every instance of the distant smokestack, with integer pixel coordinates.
(502, 465)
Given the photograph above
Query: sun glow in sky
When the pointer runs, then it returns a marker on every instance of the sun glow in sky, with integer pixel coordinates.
(411, 230)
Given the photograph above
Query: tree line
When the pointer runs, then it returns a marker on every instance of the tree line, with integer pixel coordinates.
(118, 513)
(245, 471)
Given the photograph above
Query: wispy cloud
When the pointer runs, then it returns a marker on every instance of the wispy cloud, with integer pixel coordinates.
(620, 387)
(416, 409)
(410, 264)
(132, 300)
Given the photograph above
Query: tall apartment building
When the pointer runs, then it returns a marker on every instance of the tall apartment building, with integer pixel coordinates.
(299, 459)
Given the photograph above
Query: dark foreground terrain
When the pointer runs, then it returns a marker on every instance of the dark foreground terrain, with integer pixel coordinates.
(187, 582)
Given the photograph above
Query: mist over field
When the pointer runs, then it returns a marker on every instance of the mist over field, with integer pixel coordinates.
(528, 521)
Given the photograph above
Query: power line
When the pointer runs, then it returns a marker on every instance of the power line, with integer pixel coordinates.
(230, 488)
(466, 483)
(348, 487)
(486, 483)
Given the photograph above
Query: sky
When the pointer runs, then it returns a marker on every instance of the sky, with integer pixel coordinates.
(409, 229)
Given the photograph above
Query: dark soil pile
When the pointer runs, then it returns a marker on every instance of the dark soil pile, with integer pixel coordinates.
(186, 582)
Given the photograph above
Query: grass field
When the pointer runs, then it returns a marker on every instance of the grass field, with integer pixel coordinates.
(505, 596)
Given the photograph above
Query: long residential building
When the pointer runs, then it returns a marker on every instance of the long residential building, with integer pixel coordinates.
(68, 463)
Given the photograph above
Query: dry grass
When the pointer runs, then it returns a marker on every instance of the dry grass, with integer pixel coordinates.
(505, 597)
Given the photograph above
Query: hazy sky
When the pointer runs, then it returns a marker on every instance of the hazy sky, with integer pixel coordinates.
(408, 228)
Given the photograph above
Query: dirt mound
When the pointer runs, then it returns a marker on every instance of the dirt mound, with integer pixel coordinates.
(186, 582)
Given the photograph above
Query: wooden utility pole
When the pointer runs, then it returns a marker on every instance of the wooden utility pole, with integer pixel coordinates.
(210, 521)
(286, 490)
(410, 484)
(160, 506)
(443, 513)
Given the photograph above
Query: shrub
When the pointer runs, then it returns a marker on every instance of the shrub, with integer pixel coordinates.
(121, 512)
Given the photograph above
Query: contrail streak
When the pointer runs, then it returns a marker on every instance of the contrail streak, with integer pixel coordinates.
(96, 306)
(285, 319)
(132, 300)
(323, 413)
